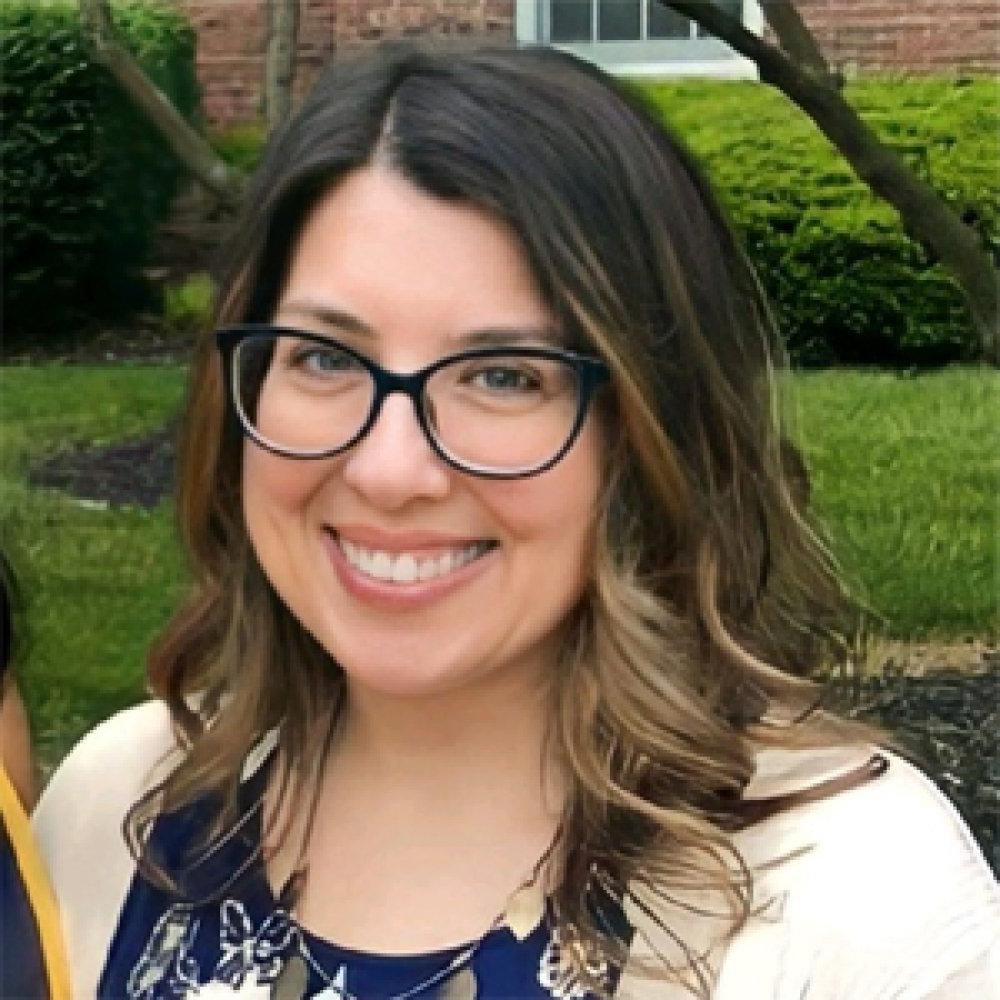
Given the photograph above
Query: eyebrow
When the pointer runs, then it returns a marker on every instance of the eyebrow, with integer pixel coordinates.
(504, 336)
(499, 336)
(327, 316)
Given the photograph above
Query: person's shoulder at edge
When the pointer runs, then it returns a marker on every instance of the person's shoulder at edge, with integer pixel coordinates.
(78, 827)
(118, 755)
(884, 890)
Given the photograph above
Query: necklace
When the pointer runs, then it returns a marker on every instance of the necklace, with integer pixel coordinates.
(521, 914)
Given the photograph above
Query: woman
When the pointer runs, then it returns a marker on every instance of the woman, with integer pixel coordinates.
(489, 685)
(31, 959)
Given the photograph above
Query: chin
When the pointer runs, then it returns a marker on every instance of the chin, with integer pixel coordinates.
(401, 669)
(399, 681)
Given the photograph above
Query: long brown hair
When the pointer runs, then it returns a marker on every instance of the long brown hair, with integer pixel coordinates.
(711, 597)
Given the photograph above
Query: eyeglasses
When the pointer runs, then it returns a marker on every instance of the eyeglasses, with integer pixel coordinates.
(496, 412)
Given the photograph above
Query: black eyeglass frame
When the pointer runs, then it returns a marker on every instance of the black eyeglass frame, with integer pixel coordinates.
(591, 373)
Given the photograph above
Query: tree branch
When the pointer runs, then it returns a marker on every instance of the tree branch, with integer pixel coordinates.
(279, 60)
(717, 22)
(925, 214)
(795, 37)
(187, 145)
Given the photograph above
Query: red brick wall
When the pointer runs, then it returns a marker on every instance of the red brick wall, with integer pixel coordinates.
(232, 35)
(939, 36)
(907, 36)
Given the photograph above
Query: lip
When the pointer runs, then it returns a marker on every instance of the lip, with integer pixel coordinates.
(402, 596)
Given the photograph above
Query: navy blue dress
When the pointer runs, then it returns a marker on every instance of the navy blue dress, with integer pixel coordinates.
(237, 938)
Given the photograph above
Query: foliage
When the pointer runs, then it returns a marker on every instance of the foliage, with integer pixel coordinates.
(187, 307)
(241, 145)
(846, 282)
(86, 178)
(904, 475)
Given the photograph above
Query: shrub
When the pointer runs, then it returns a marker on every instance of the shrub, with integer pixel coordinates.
(241, 145)
(85, 178)
(187, 307)
(846, 282)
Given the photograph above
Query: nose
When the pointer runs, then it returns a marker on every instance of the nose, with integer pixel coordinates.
(394, 464)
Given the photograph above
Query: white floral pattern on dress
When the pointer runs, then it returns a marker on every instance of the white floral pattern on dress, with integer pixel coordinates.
(557, 974)
(249, 958)
(250, 990)
(165, 963)
(246, 951)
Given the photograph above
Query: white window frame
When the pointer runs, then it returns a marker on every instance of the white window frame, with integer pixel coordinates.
(653, 57)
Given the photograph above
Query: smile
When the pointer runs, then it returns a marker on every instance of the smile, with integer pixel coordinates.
(410, 567)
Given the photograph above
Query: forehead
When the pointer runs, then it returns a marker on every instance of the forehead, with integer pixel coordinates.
(410, 267)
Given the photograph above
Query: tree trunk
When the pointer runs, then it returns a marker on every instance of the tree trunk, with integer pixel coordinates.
(279, 60)
(795, 37)
(187, 145)
(801, 73)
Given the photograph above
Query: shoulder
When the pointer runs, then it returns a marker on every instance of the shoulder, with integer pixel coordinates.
(78, 826)
(112, 763)
(880, 889)
(884, 829)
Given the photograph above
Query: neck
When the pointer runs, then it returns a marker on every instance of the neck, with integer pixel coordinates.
(488, 741)
(440, 805)
(496, 726)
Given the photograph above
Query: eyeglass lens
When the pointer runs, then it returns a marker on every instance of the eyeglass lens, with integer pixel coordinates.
(499, 413)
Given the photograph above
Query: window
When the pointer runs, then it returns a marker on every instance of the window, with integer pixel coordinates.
(623, 21)
(636, 37)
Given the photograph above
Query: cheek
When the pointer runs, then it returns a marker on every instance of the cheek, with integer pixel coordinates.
(557, 509)
(275, 487)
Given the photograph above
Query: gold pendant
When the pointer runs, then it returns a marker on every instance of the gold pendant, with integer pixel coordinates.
(525, 911)
(461, 986)
(292, 980)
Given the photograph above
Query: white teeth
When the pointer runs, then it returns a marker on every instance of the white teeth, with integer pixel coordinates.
(406, 567)
(381, 566)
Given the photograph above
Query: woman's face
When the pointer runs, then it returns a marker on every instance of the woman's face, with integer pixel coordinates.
(405, 279)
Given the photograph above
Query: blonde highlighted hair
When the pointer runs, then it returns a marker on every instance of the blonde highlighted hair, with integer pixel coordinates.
(710, 598)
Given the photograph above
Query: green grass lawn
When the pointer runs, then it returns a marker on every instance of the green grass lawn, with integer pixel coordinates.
(906, 475)
(906, 478)
(96, 585)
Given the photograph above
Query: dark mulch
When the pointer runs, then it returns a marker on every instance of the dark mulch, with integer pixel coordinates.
(949, 719)
(142, 341)
(139, 473)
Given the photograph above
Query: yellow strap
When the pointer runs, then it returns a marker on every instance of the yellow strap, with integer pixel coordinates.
(36, 884)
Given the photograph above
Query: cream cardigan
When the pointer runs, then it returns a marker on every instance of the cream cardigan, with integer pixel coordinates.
(884, 895)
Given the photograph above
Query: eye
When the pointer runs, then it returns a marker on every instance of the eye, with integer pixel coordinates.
(322, 359)
(504, 378)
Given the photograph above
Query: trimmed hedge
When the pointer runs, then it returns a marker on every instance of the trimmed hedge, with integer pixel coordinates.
(846, 282)
(85, 178)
